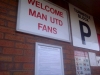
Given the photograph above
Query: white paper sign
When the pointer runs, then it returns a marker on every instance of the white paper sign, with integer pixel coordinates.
(98, 60)
(82, 63)
(83, 29)
(42, 18)
(49, 60)
(92, 57)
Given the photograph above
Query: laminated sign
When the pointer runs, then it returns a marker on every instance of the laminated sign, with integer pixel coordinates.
(83, 29)
(48, 60)
(43, 18)
(82, 63)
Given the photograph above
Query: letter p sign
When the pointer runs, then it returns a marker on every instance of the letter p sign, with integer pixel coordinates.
(83, 34)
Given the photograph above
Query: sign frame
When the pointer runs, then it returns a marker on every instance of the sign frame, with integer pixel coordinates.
(83, 29)
(44, 35)
(92, 58)
(82, 63)
(53, 46)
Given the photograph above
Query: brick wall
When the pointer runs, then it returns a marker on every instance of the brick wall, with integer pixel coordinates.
(17, 50)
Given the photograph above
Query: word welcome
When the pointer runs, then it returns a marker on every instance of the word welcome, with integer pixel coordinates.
(45, 7)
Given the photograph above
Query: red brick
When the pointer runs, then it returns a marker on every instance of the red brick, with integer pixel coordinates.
(29, 40)
(6, 58)
(6, 43)
(1, 49)
(6, 6)
(69, 72)
(72, 52)
(3, 66)
(1, 35)
(67, 61)
(2, 22)
(6, 1)
(12, 13)
(3, 5)
(25, 35)
(29, 52)
(4, 73)
(7, 17)
(7, 30)
(70, 56)
(28, 66)
(67, 51)
(14, 37)
(13, 3)
(2, 10)
(10, 66)
(23, 73)
(12, 51)
(23, 59)
(17, 65)
(24, 46)
(11, 24)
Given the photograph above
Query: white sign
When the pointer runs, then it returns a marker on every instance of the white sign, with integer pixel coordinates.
(42, 18)
(83, 29)
(98, 60)
(82, 63)
(48, 60)
(92, 57)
